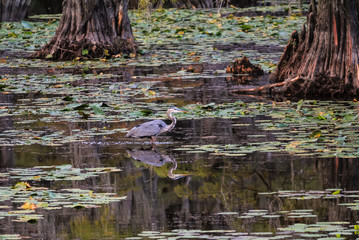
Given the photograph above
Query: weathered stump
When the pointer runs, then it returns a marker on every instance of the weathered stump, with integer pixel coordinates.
(244, 66)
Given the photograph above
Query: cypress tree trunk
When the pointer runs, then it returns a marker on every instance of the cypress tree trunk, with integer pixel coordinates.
(92, 29)
(45, 7)
(243, 3)
(325, 52)
(188, 4)
(13, 10)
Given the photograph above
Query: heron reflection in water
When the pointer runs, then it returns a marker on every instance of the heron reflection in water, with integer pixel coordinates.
(154, 128)
(155, 158)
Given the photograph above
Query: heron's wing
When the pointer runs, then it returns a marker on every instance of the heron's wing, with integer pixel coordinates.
(147, 129)
(148, 157)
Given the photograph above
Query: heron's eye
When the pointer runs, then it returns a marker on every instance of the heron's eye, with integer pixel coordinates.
(160, 125)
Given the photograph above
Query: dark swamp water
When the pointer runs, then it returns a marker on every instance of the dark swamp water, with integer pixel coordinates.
(174, 194)
(234, 167)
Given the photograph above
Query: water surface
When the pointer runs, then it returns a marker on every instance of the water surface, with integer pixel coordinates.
(169, 190)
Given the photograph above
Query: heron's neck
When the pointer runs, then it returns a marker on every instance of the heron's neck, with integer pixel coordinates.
(174, 121)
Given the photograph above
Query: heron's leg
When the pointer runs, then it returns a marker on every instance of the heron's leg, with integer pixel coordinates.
(153, 147)
(153, 141)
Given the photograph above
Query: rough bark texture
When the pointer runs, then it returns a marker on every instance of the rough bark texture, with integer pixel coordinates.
(325, 53)
(45, 7)
(13, 10)
(191, 4)
(91, 29)
(243, 3)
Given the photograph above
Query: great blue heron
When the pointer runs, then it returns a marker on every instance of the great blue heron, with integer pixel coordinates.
(153, 128)
(156, 159)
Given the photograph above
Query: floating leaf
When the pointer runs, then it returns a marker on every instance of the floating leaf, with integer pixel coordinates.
(97, 109)
(315, 134)
(84, 52)
(300, 104)
(336, 192)
(25, 24)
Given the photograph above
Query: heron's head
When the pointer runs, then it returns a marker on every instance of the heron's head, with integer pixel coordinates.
(175, 109)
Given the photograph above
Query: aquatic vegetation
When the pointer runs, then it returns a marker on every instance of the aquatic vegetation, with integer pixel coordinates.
(300, 223)
(306, 128)
(57, 173)
(53, 108)
(28, 198)
(305, 231)
(171, 37)
(10, 236)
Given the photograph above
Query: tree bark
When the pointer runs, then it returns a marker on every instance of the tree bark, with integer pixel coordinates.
(90, 29)
(243, 3)
(186, 4)
(13, 10)
(45, 7)
(326, 51)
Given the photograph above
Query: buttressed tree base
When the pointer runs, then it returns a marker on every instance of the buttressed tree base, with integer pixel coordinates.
(325, 54)
(91, 29)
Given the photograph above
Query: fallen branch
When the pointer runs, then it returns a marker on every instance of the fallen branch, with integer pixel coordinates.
(265, 87)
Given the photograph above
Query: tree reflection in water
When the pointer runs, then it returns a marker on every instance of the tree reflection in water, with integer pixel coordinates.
(155, 202)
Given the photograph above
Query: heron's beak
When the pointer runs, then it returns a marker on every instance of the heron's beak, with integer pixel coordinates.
(180, 110)
(177, 176)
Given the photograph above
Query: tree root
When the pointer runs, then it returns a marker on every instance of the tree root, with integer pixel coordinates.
(64, 50)
(258, 90)
(322, 87)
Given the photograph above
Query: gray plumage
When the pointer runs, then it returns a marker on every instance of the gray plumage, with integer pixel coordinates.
(153, 128)
(150, 157)
(156, 159)
(148, 129)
